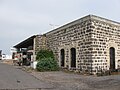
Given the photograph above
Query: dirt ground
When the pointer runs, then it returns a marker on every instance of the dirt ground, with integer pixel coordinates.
(70, 81)
(61, 80)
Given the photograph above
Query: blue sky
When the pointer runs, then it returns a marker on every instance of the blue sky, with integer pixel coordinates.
(20, 19)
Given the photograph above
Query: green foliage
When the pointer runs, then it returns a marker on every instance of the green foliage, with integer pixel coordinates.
(46, 61)
(44, 54)
(47, 64)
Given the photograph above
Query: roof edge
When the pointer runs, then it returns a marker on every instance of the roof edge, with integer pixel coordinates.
(84, 18)
(15, 46)
(104, 19)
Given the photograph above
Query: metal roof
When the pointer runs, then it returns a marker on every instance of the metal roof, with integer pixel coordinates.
(24, 44)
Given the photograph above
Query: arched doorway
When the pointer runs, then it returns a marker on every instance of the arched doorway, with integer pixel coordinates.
(112, 58)
(62, 57)
(73, 57)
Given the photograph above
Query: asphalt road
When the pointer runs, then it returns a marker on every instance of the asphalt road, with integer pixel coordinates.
(13, 78)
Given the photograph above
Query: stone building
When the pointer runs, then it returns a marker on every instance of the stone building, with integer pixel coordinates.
(90, 44)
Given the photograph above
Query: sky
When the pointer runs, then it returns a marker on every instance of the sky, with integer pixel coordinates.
(20, 19)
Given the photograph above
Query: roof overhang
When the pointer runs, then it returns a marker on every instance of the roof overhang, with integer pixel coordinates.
(26, 43)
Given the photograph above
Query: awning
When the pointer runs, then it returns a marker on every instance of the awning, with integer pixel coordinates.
(26, 43)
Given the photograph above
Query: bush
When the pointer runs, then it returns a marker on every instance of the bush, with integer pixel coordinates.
(44, 54)
(46, 61)
(47, 64)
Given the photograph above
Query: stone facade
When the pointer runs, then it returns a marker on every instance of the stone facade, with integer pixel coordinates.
(40, 43)
(88, 44)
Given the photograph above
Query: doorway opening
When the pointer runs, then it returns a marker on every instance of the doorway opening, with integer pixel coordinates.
(112, 58)
(62, 57)
(73, 57)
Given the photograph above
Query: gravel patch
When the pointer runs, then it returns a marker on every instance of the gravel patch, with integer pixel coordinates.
(70, 81)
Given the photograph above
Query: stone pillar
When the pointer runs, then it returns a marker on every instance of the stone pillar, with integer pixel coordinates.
(34, 49)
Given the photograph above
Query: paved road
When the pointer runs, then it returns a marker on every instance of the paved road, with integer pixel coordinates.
(13, 78)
